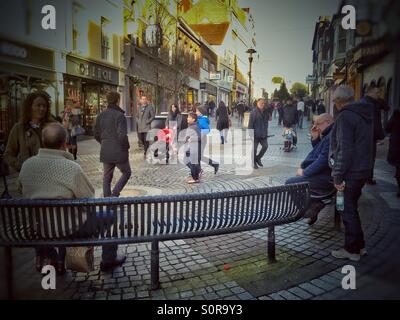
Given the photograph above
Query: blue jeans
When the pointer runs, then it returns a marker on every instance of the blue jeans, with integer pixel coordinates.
(106, 219)
(318, 182)
(354, 236)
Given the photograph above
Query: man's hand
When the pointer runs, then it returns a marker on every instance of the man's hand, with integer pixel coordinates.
(300, 172)
(340, 187)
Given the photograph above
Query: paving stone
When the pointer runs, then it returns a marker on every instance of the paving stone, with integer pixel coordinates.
(300, 293)
(186, 294)
(287, 295)
(327, 286)
(275, 296)
(311, 288)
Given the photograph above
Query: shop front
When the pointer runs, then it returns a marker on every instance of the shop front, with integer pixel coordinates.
(241, 91)
(86, 85)
(23, 69)
(208, 91)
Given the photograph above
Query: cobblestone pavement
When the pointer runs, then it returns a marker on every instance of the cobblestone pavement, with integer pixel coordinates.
(235, 266)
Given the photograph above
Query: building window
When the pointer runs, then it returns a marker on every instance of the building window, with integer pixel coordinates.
(105, 39)
(205, 64)
(342, 39)
(212, 67)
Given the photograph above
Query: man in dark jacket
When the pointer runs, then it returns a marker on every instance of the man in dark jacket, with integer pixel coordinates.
(111, 132)
(290, 117)
(240, 110)
(377, 105)
(350, 158)
(315, 168)
(144, 119)
(258, 121)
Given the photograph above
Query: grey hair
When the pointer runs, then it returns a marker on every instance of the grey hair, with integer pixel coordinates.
(344, 93)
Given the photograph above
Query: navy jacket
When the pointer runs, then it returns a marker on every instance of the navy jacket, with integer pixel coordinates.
(350, 155)
(259, 123)
(317, 160)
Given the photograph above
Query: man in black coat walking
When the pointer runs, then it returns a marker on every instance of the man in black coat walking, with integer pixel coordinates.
(350, 158)
(258, 121)
(111, 132)
(377, 105)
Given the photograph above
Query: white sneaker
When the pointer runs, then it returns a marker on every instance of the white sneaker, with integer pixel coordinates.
(363, 252)
(344, 254)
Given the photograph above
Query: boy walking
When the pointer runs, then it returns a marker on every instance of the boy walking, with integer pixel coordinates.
(193, 148)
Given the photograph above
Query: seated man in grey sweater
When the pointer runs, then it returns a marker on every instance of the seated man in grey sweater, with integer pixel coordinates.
(52, 174)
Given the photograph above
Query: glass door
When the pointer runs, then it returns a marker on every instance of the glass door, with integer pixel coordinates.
(91, 108)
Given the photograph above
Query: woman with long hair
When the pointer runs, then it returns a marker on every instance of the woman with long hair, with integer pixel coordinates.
(222, 116)
(24, 142)
(25, 137)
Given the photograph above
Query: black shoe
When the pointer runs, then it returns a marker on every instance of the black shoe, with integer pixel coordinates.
(216, 168)
(255, 165)
(109, 266)
(258, 161)
(313, 211)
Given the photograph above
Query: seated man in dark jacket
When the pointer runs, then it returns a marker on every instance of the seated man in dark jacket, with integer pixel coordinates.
(315, 168)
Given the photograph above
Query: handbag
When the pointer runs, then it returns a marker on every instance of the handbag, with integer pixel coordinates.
(77, 131)
(80, 259)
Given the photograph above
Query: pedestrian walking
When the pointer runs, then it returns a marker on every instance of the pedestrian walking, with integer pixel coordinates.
(290, 118)
(144, 119)
(72, 123)
(241, 108)
(377, 105)
(223, 121)
(350, 158)
(193, 148)
(280, 111)
(321, 108)
(300, 112)
(111, 133)
(393, 128)
(259, 120)
(204, 125)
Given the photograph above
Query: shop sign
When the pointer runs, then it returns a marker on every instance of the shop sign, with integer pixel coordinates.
(215, 76)
(90, 70)
(26, 54)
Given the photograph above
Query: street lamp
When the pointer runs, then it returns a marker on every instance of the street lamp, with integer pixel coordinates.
(251, 51)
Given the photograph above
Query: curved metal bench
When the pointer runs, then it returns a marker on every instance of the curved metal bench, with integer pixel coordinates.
(32, 223)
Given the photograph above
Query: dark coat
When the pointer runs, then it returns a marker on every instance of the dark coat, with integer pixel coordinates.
(222, 118)
(241, 108)
(316, 162)
(259, 123)
(145, 118)
(321, 109)
(351, 150)
(178, 118)
(111, 131)
(290, 115)
(193, 143)
(393, 127)
(377, 106)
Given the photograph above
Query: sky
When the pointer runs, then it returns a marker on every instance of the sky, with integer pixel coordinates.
(284, 33)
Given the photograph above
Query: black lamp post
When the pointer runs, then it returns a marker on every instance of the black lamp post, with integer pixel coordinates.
(251, 51)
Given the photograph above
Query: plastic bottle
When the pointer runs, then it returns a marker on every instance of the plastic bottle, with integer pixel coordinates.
(340, 201)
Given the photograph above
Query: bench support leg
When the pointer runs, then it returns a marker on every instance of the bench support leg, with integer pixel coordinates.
(271, 244)
(155, 266)
(9, 272)
(337, 220)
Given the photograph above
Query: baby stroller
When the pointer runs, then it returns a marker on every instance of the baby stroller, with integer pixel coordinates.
(289, 135)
